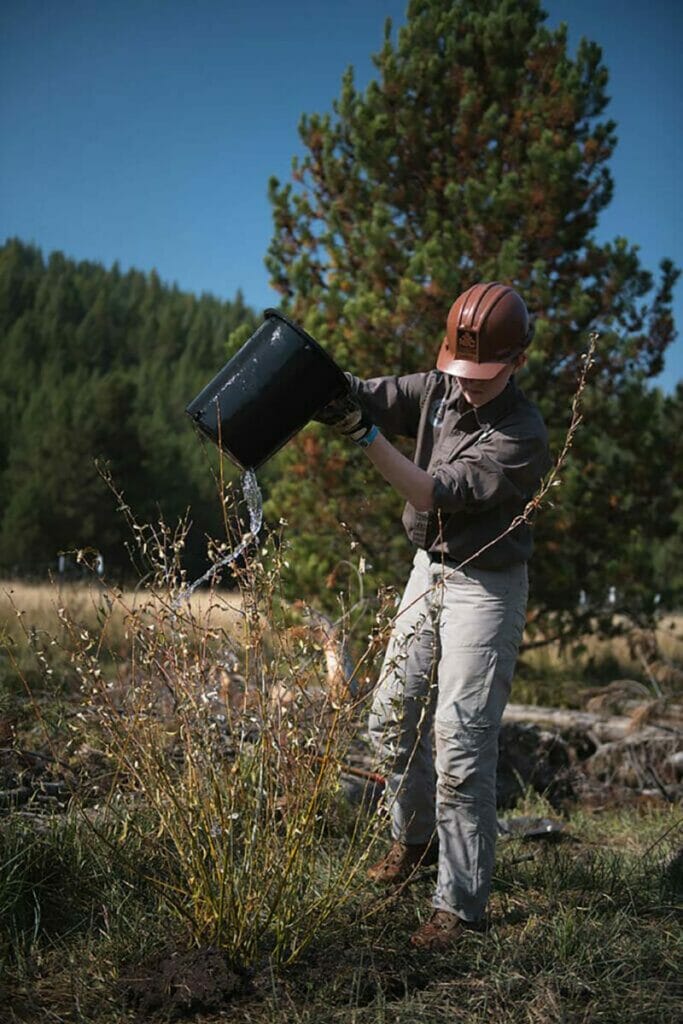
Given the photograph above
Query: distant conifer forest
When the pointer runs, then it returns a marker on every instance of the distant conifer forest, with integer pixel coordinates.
(97, 366)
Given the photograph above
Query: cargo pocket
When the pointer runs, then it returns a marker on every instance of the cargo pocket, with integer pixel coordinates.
(468, 687)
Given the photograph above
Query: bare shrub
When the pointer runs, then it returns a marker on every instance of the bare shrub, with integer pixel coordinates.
(226, 735)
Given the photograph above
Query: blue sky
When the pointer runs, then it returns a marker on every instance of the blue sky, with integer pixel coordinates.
(146, 131)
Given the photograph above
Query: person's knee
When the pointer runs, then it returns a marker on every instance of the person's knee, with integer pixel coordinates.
(466, 759)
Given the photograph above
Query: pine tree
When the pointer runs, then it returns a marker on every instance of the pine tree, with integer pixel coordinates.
(479, 152)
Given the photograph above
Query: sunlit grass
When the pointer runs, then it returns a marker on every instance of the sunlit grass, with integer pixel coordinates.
(39, 604)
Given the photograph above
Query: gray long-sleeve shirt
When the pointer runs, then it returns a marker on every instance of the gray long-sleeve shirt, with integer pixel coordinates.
(487, 462)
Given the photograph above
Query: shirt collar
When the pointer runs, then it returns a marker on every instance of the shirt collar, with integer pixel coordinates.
(488, 414)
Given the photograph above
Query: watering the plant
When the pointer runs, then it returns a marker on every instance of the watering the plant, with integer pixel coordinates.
(480, 453)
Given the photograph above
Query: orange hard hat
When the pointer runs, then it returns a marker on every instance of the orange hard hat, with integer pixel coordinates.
(487, 327)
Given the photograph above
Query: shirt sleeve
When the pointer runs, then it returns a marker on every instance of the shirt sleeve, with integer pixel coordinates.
(502, 469)
(393, 403)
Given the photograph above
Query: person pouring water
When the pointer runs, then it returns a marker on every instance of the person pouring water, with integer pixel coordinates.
(481, 451)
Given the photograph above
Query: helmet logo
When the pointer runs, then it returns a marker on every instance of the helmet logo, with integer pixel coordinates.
(467, 341)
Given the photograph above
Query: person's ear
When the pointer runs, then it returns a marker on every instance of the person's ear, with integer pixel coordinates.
(520, 361)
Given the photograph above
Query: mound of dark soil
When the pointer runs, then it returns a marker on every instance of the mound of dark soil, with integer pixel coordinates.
(178, 984)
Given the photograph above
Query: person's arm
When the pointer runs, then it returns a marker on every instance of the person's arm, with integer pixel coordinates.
(351, 420)
(507, 467)
(393, 403)
(411, 482)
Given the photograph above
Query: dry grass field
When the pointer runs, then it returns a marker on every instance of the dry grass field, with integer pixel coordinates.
(39, 605)
(548, 676)
(595, 649)
(556, 676)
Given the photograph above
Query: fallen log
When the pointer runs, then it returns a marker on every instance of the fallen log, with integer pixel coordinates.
(603, 729)
(636, 752)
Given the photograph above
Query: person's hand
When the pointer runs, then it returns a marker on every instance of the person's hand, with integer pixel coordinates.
(346, 415)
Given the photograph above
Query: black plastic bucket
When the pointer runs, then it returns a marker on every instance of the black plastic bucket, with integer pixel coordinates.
(268, 391)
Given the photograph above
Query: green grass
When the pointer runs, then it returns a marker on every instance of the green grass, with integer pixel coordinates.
(222, 829)
(584, 930)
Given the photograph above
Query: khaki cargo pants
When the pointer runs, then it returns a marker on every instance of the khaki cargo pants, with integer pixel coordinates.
(449, 663)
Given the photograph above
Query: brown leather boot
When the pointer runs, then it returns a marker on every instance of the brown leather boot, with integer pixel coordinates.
(402, 862)
(442, 930)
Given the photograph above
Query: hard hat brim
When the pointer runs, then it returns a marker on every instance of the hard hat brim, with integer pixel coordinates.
(465, 368)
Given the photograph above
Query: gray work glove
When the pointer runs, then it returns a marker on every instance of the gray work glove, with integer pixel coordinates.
(346, 415)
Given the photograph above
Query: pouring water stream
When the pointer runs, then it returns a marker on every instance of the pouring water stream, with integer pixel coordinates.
(254, 502)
